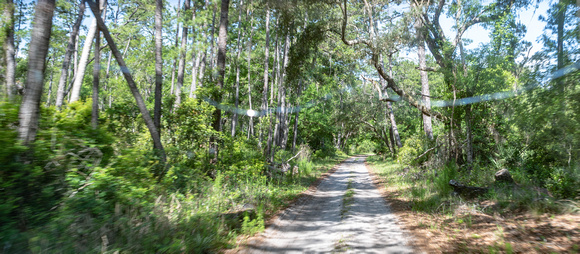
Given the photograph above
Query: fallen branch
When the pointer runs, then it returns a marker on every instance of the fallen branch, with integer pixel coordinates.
(423, 154)
(294, 156)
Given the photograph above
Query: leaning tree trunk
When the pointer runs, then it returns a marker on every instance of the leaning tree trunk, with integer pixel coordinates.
(80, 73)
(39, 42)
(157, 145)
(68, 54)
(182, 54)
(158, 64)
(9, 49)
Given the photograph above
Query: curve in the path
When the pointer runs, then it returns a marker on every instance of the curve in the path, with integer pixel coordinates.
(346, 214)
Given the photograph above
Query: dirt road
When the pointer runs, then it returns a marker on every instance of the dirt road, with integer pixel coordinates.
(345, 214)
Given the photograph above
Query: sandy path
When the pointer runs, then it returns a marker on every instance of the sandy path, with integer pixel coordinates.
(332, 221)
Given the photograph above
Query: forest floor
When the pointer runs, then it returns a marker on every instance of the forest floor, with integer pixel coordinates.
(345, 213)
(468, 230)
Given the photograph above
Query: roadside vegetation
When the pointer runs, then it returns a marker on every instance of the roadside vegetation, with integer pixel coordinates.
(509, 219)
(91, 193)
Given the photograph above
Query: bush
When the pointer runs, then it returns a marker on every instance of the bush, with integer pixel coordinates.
(412, 148)
(564, 182)
(442, 178)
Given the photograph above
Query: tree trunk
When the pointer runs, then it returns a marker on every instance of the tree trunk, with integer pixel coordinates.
(158, 64)
(294, 138)
(237, 86)
(157, 145)
(175, 60)
(284, 100)
(67, 56)
(394, 129)
(266, 69)
(194, 71)
(469, 135)
(276, 67)
(427, 126)
(182, 55)
(212, 42)
(96, 72)
(49, 89)
(203, 60)
(29, 113)
(9, 49)
(221, 61)
(80, 73)
(249, 49)
(560, 30)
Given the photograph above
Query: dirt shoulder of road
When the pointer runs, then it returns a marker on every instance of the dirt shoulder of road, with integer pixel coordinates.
(471, 231)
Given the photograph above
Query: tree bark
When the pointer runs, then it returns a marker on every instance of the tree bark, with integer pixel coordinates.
(394, 129)
(221, 60)
(80, 73)
(182, 55)
(132, 85)
(158, 64)
(295, 137)
(427, 125)
(68, 54)
(29, 113)
(560, 30)
(237, 85)
(266, 70)
(281, 132)
(175, 60)
(96, 72)
(212, 42)
(9, 49)
(249, 50)
(266, 60)
(276, 67)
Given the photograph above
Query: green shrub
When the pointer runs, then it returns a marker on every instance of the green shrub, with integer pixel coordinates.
(564, 182)
(442, 178)
(412, 148)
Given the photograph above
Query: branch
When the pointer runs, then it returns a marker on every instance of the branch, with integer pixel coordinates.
(427, 69)
(423, 154)
(294, 156)
(343, 32)
(379, 89)
(391, 84)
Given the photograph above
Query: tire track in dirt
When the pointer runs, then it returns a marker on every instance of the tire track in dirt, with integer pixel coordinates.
(346, 214)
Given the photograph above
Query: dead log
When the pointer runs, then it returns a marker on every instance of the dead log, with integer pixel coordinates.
(467, 191)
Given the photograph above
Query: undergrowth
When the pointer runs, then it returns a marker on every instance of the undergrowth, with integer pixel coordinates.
(429, 191)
